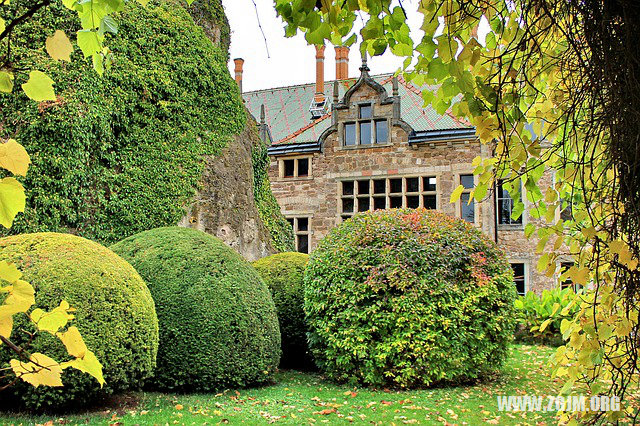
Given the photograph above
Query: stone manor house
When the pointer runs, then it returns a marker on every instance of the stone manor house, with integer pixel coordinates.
(353, 145)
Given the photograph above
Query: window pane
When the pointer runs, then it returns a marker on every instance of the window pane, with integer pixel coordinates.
(345, 218)
(466, 181)
(347, 188)
(395, 202)
(303, 167)
(303, 243)
(363, 187)
(347, 205)
(379, 203)
(350, 134)
(303, 224)
(564, 267)
(382, 131)
(363, 204)
(396, 185)
(505, 206)
(379, 186)
(413, 185)
(413, 201)
(365, 111)
(429, 183)
(519, 278)
(467, 210)
(289, 168)
(290, 220)
(365, 133)
(429, 201)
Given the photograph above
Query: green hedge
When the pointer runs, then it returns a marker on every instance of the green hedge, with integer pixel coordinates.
(408, 298)
(218, 324)
(284, 273)
(122, 153)
(114, 313)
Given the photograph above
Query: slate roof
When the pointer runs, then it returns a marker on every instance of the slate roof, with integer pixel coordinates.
(289, 120)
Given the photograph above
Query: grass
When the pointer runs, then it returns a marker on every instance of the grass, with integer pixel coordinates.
(301, 398)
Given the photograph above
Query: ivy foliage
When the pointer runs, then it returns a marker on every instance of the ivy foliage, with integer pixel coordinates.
(218, 323)
(114, 313)
(408, 298)
(284, 273)
(121, 153)
(279, 229)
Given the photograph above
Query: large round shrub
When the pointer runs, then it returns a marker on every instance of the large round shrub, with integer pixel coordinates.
(407, 298)
(114, 313)
(284, 273)
(218, 324)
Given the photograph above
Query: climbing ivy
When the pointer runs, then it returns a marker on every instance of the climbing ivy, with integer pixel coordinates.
(268, 208)
(121, 153)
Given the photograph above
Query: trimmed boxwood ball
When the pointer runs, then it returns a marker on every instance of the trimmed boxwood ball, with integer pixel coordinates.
(408, 298)
(218, 323)
(284, 273)
(114, 313)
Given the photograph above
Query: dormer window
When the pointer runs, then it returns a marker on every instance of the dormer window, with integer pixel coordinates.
(367, 130)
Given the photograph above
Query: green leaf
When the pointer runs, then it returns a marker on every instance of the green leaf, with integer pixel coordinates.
(455, 195)
(39, 87)
(12, 200)
(59, 47)
(6, 82)
(89, 42)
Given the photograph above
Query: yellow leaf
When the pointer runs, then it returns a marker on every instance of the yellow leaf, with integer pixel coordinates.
(2, 25)
(455, 195)
(21, 297)
(41, 371)
(6, 325)
(589, 232)
(88, 364)
(59, 47)
(12, 200)
(179, 406)
(73, 342)
(39, 87)
(6, 82)
(54, 320)
(9, 272)
(14, 157)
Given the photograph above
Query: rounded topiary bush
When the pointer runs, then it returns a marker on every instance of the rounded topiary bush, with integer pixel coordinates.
(407, 298)
(284, 273)
(114, 313)
(218, 323)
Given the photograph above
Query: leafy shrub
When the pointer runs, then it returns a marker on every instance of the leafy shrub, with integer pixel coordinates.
(539, 317)
(114, 313)
(218, 324)
(284, 273)
(407, 298)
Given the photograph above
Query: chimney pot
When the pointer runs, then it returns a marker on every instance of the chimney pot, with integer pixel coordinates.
(342, 62)
(239, 62)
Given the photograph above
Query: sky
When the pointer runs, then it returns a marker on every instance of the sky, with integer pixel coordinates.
(290, 60)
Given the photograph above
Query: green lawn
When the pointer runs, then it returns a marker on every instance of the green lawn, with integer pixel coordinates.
(300, 398)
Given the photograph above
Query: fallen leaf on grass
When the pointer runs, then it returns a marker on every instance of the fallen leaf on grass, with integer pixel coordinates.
(325, 412)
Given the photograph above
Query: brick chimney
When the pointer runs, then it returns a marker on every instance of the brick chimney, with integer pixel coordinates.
(319, 97)
(342, 62)
(238, 70)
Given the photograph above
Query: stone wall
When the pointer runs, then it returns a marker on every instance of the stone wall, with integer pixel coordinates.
(318, 196)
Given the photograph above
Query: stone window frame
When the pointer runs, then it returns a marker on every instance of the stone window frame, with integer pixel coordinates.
(356, 121)
(526, 278)
(523, 220)
(293, 219)
(476, 205)
(371, 195)
(295, 158)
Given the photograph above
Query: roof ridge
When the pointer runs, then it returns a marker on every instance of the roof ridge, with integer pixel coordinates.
(327, 82)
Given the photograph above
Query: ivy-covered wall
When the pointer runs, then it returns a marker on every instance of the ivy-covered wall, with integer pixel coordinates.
(122, 153)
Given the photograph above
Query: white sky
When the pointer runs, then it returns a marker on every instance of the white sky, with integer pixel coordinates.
(291, 60)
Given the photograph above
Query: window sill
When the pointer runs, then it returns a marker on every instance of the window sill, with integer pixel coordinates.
(293, 179)
(514, 227)
(353, 147)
